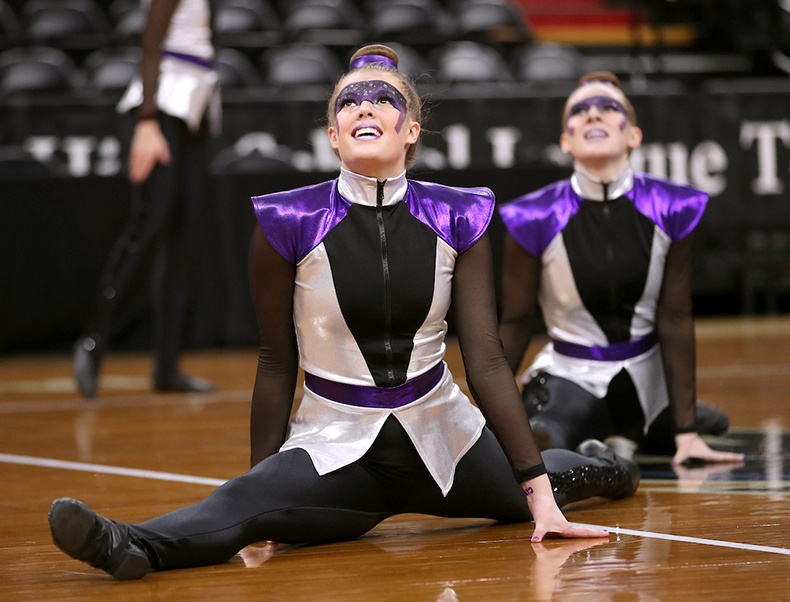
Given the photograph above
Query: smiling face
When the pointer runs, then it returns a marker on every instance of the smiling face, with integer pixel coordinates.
(599, 130)
(372, 127)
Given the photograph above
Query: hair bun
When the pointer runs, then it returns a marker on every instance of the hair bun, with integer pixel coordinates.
(603, 77)
(373, 59)
(376, 56)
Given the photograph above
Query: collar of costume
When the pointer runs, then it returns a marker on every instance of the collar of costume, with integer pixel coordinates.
(362, 190)
(594, 189)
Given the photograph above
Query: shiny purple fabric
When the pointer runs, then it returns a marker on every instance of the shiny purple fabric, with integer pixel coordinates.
(376, 397)
(373, 59)
(296, 221)
(616, 352)
(675, 208)
(459, 216)
(195, 60)
(536, 218)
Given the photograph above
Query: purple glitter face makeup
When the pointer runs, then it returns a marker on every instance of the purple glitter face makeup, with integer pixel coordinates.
(375, 91)
(604, 104)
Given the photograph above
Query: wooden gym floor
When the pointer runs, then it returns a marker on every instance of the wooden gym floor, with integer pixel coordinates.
(713, 533)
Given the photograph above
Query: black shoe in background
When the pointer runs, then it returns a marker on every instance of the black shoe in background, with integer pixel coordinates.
(87, 358)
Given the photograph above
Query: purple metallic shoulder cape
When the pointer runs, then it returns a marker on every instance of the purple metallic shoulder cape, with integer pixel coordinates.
(536, 218)
(296, 221)
(675, 208)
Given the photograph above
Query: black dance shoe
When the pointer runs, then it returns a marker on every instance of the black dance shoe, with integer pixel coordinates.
(541, 434)
(710, 420)
(102, 543)
(181, 383)
(610, 476)
(87, 358)
(624, 480)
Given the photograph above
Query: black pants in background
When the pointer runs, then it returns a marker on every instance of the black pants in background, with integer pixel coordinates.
(159, 243)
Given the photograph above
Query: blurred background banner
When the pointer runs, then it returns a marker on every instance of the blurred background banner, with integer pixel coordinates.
(709, 81)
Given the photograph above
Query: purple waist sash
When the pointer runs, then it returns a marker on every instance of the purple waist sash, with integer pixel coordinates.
(610, 353)
(376, 397)
(189, 58)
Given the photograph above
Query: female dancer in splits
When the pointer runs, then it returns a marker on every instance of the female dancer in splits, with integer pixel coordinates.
(352, 280)
(607, 255)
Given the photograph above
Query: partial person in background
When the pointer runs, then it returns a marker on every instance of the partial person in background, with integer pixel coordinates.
(176, 105)
(607, 256)
(352, 280)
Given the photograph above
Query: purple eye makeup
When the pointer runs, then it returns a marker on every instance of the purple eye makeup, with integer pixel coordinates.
(604, 104)
(374, 91)
(378, 92)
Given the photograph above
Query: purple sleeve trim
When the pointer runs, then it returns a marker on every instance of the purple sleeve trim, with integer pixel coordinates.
(535, 219)
(675, 208)
(459, 216)
(296, 221)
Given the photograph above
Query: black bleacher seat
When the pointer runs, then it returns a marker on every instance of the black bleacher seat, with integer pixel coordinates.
(248, 24)
(73, 22)
(492, 20)
(548, 63)
(16, 163)
(10, 28)
(410, 22)
(236, 69)
(413, 63)
(230, 161)
(35, 70)
(328, 22)
(127, 19)
(300, 64)
(244, 16)
(111, 69)
(468, 61)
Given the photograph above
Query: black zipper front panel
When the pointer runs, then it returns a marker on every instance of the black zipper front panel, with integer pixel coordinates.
(383, 266)
(608, 245)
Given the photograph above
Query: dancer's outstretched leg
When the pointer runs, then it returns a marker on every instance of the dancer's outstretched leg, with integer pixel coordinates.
(281, 499)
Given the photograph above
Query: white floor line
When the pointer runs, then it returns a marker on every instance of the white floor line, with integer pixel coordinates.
(162, 399)
(698, 540)
(167, 476)
(113, 470)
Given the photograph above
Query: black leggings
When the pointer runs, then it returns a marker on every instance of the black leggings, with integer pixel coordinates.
(572, 414)
(284, 499)
(160, 242)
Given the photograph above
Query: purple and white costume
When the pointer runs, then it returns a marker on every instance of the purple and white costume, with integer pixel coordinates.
(602, 251)
(381, 429)
(187, 82)
(336, 277)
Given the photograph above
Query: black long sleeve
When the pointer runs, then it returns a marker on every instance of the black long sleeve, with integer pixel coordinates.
(272, 288)
(157, 24)
(489, 377)
(675, 327)
(519, 290)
